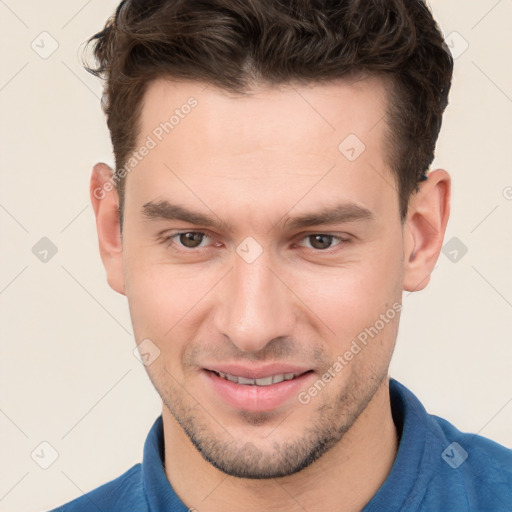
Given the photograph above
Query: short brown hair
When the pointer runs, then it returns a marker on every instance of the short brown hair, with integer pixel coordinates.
(234, 44)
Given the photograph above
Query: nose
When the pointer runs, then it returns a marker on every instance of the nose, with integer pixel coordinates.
(254, 305)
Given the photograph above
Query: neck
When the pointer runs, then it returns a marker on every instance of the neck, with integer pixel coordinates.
(343, 479)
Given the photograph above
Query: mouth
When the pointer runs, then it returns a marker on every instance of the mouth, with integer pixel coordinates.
(256, 391)
(262, 381)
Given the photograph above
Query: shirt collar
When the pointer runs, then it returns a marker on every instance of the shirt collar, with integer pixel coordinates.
(159, 492)
(412, 469)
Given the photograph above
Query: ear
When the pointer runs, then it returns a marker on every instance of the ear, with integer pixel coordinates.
(105, 202)
(424, 229)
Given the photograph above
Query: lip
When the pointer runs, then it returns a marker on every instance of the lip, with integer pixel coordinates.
(256, 398)
(256, 372)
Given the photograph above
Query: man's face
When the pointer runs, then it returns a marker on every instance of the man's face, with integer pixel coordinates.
(266, 288)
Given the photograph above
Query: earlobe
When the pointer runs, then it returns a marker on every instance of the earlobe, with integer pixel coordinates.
(425, 226)
(105, 203)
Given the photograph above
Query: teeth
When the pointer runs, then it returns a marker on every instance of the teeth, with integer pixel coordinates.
(264, 381)
(243, 380)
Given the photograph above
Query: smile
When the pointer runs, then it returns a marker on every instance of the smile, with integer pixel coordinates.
(256, 390)
(264, 381)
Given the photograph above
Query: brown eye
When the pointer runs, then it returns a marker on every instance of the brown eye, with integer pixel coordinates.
(320, 241)
(191, 239)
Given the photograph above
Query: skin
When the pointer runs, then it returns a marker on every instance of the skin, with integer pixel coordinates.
(255, 163)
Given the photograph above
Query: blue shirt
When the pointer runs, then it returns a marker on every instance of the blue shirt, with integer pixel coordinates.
(437, 468)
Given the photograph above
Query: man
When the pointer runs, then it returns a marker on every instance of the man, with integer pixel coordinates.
(271, 200)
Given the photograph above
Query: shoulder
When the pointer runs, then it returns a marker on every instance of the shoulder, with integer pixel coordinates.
(476, 469)
(123, 493)
(454, 471)
(476, 454)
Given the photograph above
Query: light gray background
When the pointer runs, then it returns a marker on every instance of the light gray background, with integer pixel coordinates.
(68, 375)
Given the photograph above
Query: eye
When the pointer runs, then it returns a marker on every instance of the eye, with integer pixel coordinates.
(188, 239)
(322, 241)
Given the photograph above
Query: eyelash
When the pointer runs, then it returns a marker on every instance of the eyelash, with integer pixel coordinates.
(168, 240)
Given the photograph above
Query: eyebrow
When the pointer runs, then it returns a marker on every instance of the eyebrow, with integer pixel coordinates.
(346, 212)
(163, 210)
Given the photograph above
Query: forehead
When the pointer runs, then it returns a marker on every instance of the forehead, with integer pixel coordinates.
(272, 145)
(311, 117)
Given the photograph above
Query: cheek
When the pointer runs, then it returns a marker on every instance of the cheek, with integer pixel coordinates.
(156, 300)
(159, 308)
(351, 298)
(166, 302)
